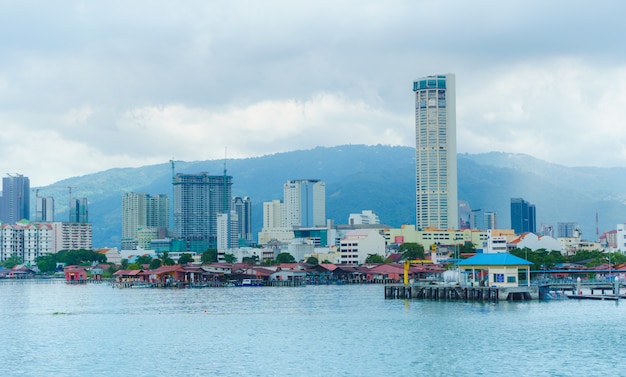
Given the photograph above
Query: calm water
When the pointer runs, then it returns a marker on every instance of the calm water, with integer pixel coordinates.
(95, 330)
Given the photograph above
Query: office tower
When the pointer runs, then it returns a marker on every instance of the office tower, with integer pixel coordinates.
(567, 230)
(79, 211)
(273, 214)
(491, 220)
(44, 209)
(140, 212)
(523, 216)
(435, 153)
(243, 208)
(305, 203)
(198, 199)
(15, 201)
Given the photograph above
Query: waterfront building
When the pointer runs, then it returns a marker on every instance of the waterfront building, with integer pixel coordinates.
(71, 236)
(44, 209)
(144, 213)
(304, 203)
(441, 237)
(436, 200)
(198, 199)
(243, 209)
(365, 217)
(26, 241)
(523, 216)
(79, 212)
(15, 200)
(358, 244)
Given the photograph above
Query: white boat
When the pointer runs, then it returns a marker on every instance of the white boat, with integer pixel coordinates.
(251, 283)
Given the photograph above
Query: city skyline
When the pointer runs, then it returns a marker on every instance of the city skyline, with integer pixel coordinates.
(306, 73)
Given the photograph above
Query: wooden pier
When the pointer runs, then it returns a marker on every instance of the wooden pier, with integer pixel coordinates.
(463, 293)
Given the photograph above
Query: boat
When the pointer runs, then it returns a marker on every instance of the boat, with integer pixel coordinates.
(251, 283)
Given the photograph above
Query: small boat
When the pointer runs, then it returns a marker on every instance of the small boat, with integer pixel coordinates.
(251, 283)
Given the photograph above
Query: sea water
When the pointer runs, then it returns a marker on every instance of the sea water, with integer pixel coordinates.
(57, 329)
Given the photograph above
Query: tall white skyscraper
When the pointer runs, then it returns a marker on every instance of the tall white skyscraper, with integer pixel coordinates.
(436, 201)
(305, 203)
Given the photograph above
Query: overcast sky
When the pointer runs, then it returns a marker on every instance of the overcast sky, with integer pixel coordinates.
(90, 85)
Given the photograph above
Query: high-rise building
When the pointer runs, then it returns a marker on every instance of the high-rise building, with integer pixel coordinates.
(198, 199)
(243, 208)
(523, 216)
(436, 201)
(567, 230)
(490, 220)
(305, 203)
(79, 212)
(44, 210)
(15, 201)
(141, 211)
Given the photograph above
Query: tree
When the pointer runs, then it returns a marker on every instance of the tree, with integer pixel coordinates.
(209, 256)
(12, 261)
(374, 258)
(411, 251)
(46, 264)
(230, 258)
(124, 263)
(155, 263)
(166, 260)
(185, 258)
(312, 260)
(144, 259)
(285, 258)
(250, 260)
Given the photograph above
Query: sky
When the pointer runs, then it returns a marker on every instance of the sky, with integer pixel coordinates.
(87, 86)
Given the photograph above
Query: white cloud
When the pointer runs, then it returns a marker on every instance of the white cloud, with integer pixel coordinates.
(94, 85)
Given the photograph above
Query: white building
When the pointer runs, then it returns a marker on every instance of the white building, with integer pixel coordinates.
(620, 238)
(495, 244)
(535, 242)
(365, 217)
(71, 236)
(304, 203)
(435, 152)
(26, 240)
(358, 244)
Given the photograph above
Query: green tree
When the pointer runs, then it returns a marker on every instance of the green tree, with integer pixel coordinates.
(374, 258)
(312, 260)
(411, 251)
(209, 256)
(230, 258)
(166, 260)
(124, 263)
(155, 263)
(134, 266)
(250, 260)
(144, 259)
(185, 258)
(285, 258)
(12, 261)
(46, 264)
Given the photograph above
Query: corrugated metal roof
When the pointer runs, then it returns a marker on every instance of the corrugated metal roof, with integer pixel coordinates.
(495, 259)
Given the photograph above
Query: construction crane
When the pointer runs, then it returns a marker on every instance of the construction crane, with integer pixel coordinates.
(408, 262)
(69, 192)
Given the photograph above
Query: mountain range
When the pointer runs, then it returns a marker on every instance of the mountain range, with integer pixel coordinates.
(358, 177)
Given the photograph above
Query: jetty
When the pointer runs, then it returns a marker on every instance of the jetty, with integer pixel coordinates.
(458, 292)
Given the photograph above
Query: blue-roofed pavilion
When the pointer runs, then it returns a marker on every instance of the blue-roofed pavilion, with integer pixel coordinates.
(497, 269)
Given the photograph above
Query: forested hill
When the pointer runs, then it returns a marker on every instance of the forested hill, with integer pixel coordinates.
(378, 178)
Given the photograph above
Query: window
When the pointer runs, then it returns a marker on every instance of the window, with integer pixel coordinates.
(498, 278)
(510, 279)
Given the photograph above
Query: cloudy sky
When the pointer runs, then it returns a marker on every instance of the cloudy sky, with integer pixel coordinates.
(90, 85)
